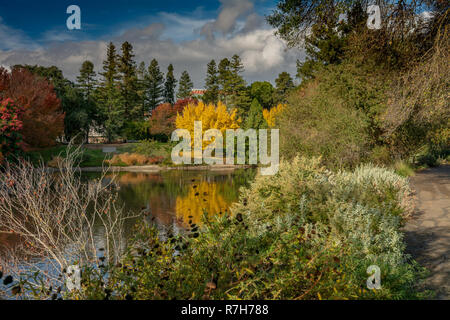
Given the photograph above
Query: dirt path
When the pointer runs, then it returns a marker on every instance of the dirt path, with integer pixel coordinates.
(428, 232)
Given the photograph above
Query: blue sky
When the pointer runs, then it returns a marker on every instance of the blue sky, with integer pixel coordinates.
(100, 17)
(185, 33)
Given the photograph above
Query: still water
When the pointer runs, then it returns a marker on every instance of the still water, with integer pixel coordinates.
(172, 198)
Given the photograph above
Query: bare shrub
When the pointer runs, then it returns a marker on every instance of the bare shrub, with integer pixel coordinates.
(56, 216)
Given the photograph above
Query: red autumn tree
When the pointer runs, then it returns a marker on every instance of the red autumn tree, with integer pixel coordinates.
(164, 116)
(43, 118)
(10, 127)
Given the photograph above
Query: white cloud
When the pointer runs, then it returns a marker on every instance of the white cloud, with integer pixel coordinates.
(230, 12)
(11, 38)
(263, 54)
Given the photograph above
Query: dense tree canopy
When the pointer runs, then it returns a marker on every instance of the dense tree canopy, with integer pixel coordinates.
(263, 92)
(10, 129)
(284, 84)
(43, 118)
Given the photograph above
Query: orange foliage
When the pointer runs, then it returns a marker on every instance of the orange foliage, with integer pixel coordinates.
(43, 119)
(134, 159)
(164, 116)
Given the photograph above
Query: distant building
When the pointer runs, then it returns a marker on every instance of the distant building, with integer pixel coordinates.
(198, 93)
(96, 136)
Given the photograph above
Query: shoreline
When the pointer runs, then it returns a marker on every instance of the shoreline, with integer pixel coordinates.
(156, 168)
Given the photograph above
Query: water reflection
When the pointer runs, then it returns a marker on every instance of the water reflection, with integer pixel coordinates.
(174, 198)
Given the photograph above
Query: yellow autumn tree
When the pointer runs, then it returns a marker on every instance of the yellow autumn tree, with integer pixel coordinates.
(211, 116)
(271, 115)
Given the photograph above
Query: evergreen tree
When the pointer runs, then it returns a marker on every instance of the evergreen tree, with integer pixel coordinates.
(284, 84)
(83, 117)
(154, 86)
(325, 45)
(185, 86)
(80, 112)
(255, 119)
(211, 84)
(240, 96)
(263, 92)
(129, 84)
(87, 79)
(318, 27)
(224, 79)
(109, 96)
(169, 86)
(141, 78)
(141, 72)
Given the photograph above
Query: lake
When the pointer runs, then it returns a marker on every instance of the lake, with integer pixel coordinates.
(172, 198)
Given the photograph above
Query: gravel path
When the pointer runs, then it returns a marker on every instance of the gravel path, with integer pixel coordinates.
(428, 232)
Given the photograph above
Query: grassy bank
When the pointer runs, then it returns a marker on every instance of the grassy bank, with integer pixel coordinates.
(128, 154)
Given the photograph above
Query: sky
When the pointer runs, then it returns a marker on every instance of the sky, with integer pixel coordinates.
(186, 33)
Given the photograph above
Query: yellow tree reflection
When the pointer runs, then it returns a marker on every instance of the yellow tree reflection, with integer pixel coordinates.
(202, 197)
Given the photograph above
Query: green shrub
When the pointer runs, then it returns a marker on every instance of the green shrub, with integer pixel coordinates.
(403, 168)
(136, 130)
(305, 233)
(335, 116)
(153, 148)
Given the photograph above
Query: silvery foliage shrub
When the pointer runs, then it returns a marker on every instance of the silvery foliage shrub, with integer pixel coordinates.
(371, 204)
(363, 210)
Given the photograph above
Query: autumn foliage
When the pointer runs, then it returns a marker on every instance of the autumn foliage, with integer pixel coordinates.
(211, 116)
(10, 127)
(164, 116)
(271, 115)
(43, 118)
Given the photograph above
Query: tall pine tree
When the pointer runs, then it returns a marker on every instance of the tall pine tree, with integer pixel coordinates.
(240, 97)
(87, 79)
(142, 76)
(224, 75)
(284, 84)
(129, 84)
(212, 83)
(109, 96)
(84, 116)
(154, 84)
(185, 86)
(169, 86)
